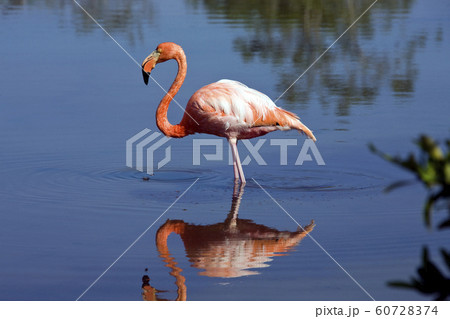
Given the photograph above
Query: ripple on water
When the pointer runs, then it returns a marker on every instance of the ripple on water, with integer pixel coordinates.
(56, 178)
(320, 180)
(62, 180)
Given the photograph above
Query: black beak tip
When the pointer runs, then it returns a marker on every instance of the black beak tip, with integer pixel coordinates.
(145, 75)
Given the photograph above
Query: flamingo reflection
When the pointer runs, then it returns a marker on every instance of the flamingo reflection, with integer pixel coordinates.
(234, 248)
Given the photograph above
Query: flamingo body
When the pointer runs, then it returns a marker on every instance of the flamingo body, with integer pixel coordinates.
(225, 108)
(231, 109)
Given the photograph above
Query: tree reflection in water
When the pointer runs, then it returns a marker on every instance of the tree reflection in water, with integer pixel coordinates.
(129, 18)
(234, 248)
(291, 34)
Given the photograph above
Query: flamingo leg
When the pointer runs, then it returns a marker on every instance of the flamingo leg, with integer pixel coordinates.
(232, 217)
(236, 161)
(235, 168)
(236, 171)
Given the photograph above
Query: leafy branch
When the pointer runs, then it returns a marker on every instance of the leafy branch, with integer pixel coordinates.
(430, 280)
(432, 168)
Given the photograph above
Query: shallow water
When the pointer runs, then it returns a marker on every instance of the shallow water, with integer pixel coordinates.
(70, 98)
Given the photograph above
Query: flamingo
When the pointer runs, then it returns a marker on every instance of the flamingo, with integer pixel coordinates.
(225, 108)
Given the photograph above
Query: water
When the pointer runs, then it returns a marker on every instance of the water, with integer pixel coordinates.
(70, 98)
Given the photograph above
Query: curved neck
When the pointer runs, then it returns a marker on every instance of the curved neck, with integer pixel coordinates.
(169, 227)
(161, 113)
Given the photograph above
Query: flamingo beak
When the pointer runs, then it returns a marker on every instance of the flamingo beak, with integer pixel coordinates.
(149, 64)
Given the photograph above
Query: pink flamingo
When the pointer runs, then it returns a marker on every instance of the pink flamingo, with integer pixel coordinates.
(225, 108)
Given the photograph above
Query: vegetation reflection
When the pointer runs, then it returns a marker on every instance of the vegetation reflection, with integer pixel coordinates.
(432, 169)
(291, 34)
(234, 248)
(126, 17)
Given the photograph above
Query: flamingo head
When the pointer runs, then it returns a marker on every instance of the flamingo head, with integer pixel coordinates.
(165, 51)
(149, 64)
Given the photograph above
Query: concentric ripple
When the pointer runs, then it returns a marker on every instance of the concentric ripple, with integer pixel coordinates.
(320, 180)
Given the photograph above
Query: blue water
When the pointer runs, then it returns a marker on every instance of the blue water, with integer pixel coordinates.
(70, 98)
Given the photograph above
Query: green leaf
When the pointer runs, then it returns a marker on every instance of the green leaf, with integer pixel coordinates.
(444, 224)
(427, 211)
(446, 257)
(401, 284)
(447, 172)
(398, 184)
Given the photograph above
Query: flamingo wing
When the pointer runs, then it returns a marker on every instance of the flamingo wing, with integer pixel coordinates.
(247, 106)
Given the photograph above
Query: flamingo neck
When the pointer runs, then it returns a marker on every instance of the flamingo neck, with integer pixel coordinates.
(161, 113)
(177, 227)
